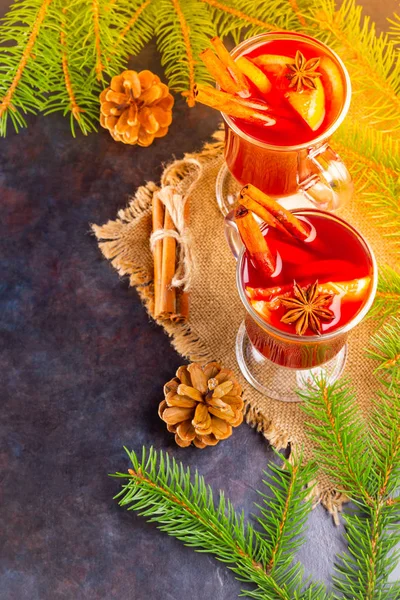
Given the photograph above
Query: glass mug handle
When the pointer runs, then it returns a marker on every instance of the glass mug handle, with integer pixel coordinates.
(331, 186)
(232, 235)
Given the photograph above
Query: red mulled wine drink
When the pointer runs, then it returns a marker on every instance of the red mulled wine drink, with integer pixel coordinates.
(307, 90)
(300, 314)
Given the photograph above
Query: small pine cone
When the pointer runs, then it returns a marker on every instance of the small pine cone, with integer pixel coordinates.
(136, 108)
(202, 404)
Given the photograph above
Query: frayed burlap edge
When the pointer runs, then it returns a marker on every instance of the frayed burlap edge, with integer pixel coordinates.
(183, 339)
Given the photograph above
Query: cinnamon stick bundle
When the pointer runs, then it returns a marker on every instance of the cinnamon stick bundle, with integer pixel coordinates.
(169, 302)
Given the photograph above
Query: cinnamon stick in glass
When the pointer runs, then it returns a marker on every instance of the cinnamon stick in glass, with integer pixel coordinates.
(219, 72)
(262, 212)
(286, 218)
(228, 61)
(254, 240)
(232, 105)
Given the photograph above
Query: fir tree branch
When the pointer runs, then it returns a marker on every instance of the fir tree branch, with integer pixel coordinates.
(91, 29)
(283, 521)
(283, 517)
(363, 571)
(385, 348)
(244, 18)
(188, 47)
(26, 55)
(122, 35)
(385, 425)
(381, 195)
(241, 15)
(372, 60)
(299, 15)
(183, 30)
(368, 471)
(338, 432)
(97, 40)
(16, 84)
(387, 299)
(368, 148)
(70, 89)
(374, 165)
(163, 491)
(75, 108)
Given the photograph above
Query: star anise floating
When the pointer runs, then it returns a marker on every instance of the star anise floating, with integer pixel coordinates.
(303, 72)
(307, 309)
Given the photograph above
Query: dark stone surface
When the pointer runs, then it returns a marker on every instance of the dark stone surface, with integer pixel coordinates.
(82, 370)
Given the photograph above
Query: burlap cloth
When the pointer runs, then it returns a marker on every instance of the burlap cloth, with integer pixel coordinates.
(215, 308)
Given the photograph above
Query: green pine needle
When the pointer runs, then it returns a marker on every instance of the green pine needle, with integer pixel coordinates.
(246, 18)
(366, 466)
(385, 443)
(363, 460)
(336, 425)
(161, 490)
(362, 572)
(387, 300)
(24, 37)
(282, 519)
(385, 349)
(183, 29)
(372, 60)
(367, 149)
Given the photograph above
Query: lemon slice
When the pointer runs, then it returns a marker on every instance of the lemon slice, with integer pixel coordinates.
(309, 104)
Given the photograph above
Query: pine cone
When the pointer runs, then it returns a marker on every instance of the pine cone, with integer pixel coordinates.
(202, 404)
(136, 108)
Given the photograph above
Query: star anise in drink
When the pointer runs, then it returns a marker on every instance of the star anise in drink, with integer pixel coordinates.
(307, 308)
(303, 72)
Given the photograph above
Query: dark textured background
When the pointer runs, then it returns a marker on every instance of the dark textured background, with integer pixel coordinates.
(82, 370)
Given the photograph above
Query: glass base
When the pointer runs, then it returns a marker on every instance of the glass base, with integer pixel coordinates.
(277, 382)
(227, 190)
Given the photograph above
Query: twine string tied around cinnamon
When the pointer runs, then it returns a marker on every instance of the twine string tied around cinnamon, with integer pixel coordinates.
(175, 205)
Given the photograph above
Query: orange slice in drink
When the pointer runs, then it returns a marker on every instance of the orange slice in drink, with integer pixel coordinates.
(334, 87)
(353, 289)
(268, 294)
(273, 63)
(256, 76)
(309, 104)
(264, 308)
(275, 66)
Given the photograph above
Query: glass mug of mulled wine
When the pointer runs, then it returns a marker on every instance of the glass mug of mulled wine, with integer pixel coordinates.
(307, 91)
(299, 316)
